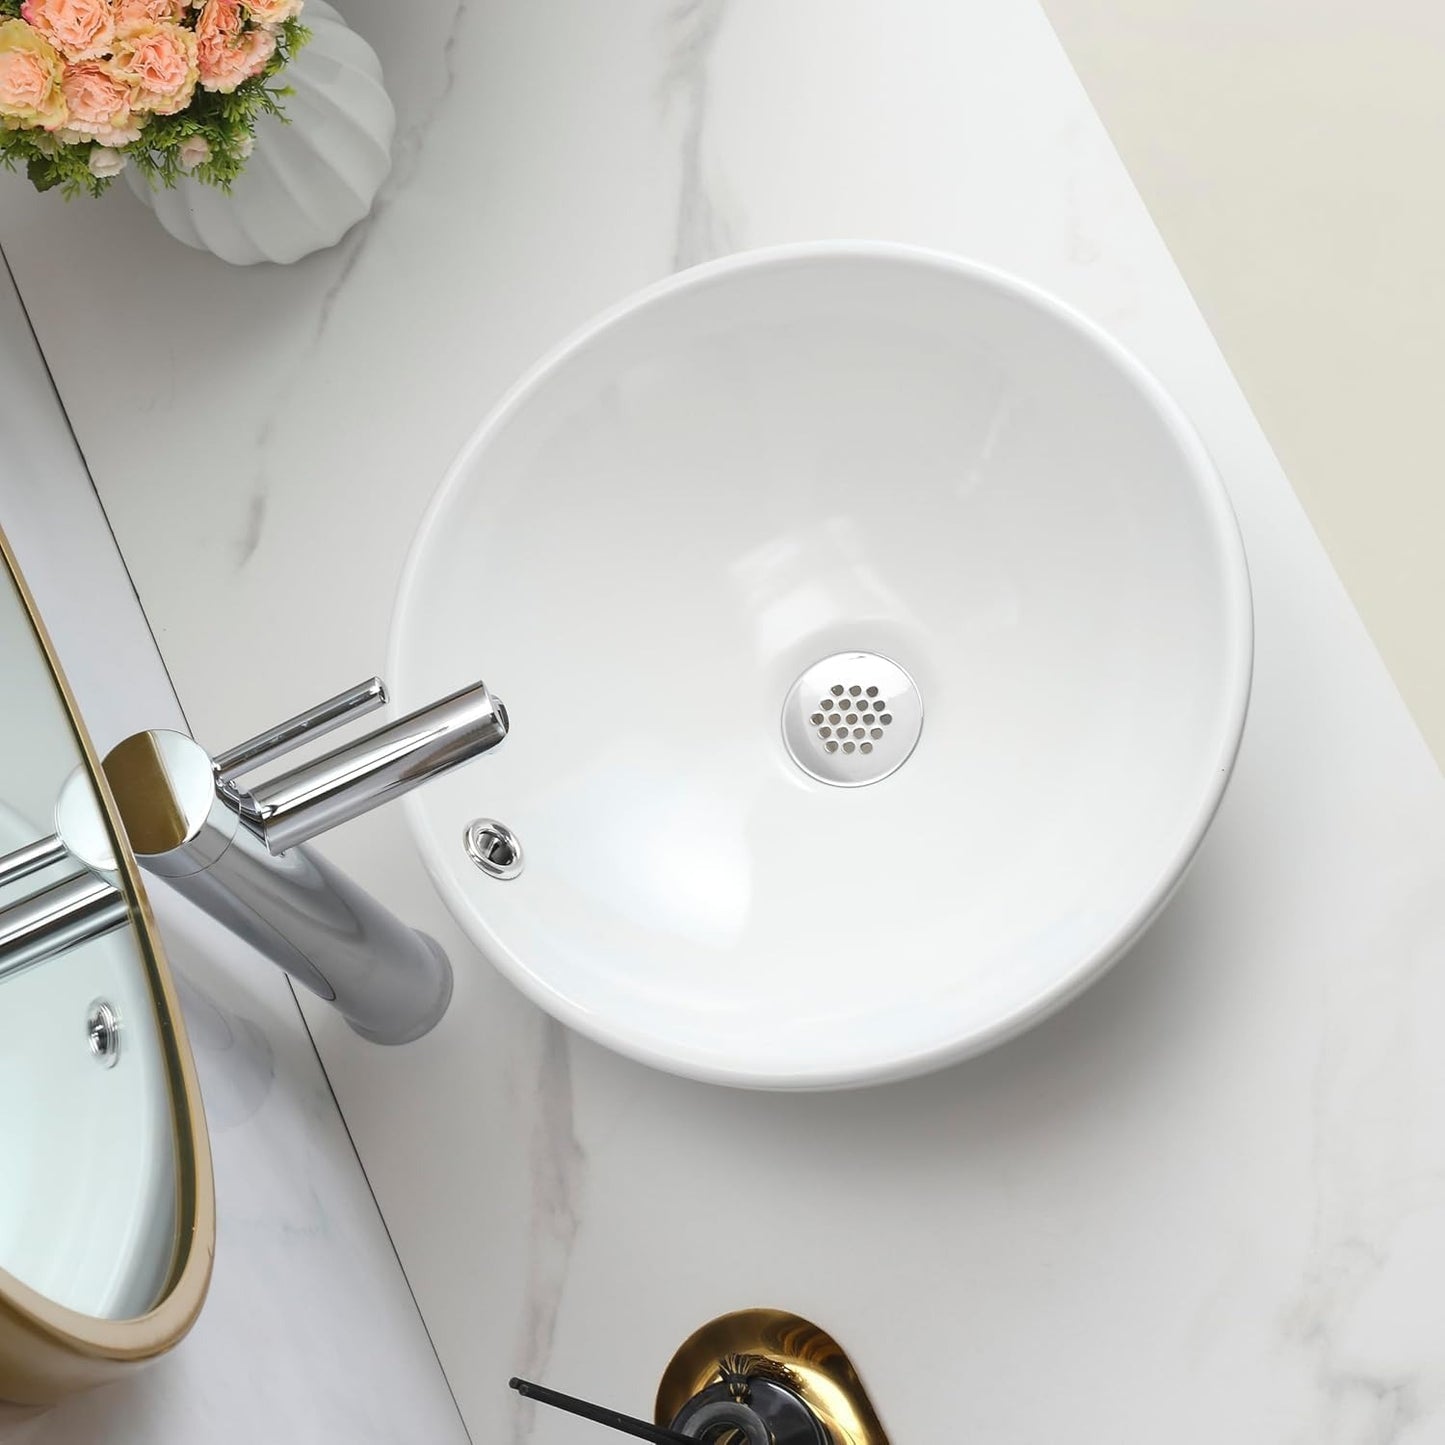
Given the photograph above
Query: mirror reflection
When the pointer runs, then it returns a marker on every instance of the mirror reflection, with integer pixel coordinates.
(88, 1177)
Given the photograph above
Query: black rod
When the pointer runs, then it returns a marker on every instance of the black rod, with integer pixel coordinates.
(600, 1415)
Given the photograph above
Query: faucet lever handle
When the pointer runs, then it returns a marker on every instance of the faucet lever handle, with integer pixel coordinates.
(359, 776)
(314, 722)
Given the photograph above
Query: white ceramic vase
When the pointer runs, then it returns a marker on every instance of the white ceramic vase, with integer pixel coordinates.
(307, 183)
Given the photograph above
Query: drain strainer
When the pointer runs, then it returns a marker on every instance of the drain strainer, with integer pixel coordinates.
(852, 718)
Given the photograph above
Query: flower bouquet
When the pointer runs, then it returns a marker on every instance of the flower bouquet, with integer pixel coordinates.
(174, 87)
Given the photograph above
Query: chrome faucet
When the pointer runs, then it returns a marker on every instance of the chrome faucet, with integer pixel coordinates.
(241, 854)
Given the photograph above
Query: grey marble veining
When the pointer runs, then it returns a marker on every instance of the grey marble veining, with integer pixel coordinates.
(558, 1174)
(702, 232)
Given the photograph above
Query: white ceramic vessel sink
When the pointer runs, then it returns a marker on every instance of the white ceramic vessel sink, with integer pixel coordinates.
(867, 468)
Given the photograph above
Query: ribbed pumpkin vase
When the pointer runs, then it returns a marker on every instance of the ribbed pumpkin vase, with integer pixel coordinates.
(308, 183)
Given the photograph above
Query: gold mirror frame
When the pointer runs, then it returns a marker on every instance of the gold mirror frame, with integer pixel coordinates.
(46, 1350)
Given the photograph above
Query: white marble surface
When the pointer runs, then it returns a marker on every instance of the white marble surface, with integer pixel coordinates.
(1208, 1200)
(309, 1333)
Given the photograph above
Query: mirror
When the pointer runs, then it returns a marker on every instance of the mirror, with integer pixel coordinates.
(106, 1209)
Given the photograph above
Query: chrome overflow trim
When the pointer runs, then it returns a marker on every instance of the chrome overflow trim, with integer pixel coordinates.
(102, 1031)
(494, 848)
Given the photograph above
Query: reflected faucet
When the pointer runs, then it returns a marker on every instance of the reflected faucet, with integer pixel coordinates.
(241, 855)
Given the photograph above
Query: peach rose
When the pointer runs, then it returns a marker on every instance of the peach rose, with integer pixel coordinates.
(99, 104)
(220, 21)
(159, 59)
(227, 52)
(272, 12)
(78, 29)
(31, 72)
(136, 12)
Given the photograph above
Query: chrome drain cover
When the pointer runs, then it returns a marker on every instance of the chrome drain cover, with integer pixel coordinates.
(852, 719)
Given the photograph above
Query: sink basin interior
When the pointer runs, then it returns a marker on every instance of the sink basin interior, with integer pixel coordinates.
(833, 451)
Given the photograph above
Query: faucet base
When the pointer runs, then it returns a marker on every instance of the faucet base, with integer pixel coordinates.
(434, 982)
(391, 983)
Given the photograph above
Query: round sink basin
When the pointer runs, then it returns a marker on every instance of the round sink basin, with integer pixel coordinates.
(876, 637)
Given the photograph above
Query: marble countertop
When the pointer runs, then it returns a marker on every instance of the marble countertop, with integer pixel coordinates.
(1208, 1198)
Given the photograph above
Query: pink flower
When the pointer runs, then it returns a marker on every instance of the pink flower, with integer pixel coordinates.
(78, 29)
(99, 104)
(159, 59)
(220, 22)
(104, 163)
(194, 151)
(272, 12)
(136, 12)
(31, 71)
(227, 52)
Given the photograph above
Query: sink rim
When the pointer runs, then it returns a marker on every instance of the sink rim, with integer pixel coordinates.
(1236, 629)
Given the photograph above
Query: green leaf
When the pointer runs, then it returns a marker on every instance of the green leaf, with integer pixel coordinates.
(42, 174)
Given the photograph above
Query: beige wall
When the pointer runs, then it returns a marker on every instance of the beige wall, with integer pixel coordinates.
(1293, 154)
